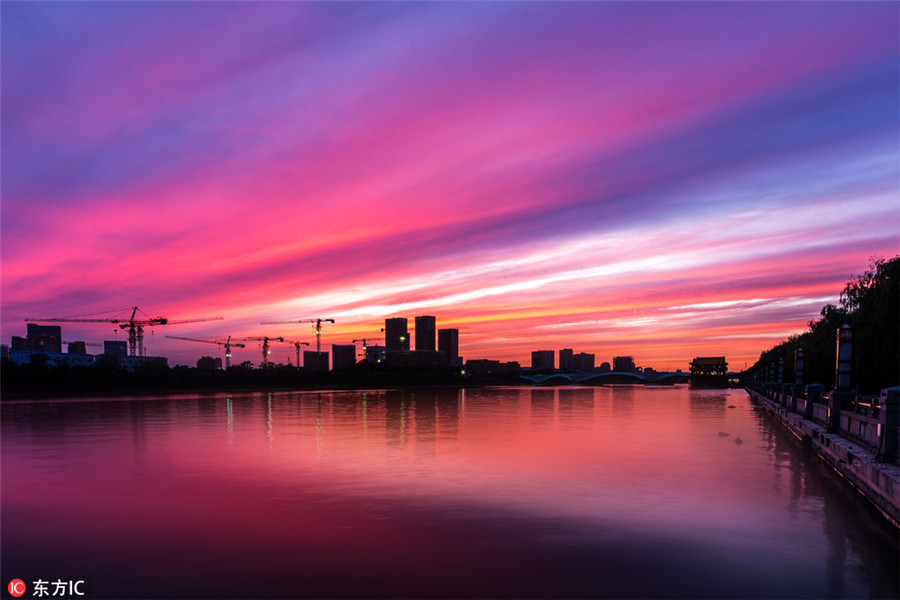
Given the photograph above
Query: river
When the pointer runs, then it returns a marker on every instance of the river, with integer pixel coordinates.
(617, 492)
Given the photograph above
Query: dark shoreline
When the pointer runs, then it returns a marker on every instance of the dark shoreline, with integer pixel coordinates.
(112, 393)
(42, 381)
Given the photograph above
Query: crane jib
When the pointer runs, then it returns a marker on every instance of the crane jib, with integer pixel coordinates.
(134, 326)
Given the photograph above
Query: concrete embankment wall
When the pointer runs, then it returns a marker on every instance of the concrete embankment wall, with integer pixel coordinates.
(853, 456)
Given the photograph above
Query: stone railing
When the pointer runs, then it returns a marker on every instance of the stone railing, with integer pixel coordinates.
(870, 422)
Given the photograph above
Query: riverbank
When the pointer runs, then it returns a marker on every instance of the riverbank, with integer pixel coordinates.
(857, 463)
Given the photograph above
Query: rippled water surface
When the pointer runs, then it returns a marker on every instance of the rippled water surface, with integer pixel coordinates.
(519, 492)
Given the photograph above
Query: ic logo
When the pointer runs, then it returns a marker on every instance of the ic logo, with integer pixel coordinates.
(16, 588)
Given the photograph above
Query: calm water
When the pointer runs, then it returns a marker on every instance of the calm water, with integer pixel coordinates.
(519, 492)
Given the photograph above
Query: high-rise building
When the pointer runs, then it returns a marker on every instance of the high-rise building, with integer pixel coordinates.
(396, 337)
(448, 343)
(583, 362)
(565, 359)
(343, 355)
(624, 364)
(313, 362)
(543, 359)
(425, 328)
(40, 338)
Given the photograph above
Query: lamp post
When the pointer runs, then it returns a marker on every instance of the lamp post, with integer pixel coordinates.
(844, 356)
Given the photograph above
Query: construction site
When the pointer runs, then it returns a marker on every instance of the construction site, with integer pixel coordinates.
(44, 337)
(384, 358)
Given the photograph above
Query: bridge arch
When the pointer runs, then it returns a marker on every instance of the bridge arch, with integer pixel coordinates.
(613, 377)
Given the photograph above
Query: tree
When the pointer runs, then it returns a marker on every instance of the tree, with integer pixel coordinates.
(107, 362)
(206, 363)
(873, 303)
(39, 361)
(870, 303)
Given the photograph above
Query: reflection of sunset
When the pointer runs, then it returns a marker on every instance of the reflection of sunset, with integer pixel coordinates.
(658, 180)
(432, 493)
(566, 451)
(560, 449)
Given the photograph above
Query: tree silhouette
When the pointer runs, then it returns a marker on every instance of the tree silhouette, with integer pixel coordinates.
(870, 303)
(206, 363)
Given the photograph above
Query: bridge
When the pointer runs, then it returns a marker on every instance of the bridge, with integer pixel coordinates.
(609, 378)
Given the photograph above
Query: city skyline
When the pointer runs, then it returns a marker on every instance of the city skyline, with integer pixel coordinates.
(50, 339)
(657, 180)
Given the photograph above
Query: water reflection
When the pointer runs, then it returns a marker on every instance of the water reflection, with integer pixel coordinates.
(269, 420)
(816, 493)
(710, 403)
(622, 399)
(543, 408)
(531, 492)
(229, 429)
(576, 408)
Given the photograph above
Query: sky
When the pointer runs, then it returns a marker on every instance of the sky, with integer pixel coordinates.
(658, 179)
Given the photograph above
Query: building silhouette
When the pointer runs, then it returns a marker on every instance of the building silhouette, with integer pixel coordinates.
(315, 361)
(566, 362)
(709, 371)
(343, 355)
(43, 344)
(375, 353)
(624, 364)
(486, 368)
(396, 336)
(76, 348)
(543, 359)
(448, 343)
(425, 330)
(582, 362)
(39, 338)
(709, 365)
(416, 359)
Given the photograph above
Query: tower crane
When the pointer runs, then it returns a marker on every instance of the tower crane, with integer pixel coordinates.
(318, 328)
(135, 326)
(227, 344)
(297, 346)
(265, 346)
